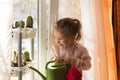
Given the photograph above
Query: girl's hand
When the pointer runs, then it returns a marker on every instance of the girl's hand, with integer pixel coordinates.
(59, 60)
(70, 61)
(67, 60)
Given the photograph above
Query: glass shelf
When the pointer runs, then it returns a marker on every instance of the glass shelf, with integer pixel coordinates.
(26, 32)
(25, 69)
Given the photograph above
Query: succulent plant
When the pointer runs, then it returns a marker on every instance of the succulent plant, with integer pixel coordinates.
(29, 22)
(17, 24)
(22, 23)
(14, 63)
(26, 56)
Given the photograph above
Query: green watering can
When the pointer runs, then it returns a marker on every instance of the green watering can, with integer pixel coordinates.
(53, 71)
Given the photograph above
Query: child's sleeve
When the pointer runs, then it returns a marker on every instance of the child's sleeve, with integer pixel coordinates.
(82, 60)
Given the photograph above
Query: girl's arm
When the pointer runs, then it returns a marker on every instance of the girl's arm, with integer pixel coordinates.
(83, 61)
(80, 59)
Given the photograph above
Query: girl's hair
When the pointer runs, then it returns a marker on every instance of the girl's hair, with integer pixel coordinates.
(69, 28)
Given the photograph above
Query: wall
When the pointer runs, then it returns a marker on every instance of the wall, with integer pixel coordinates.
(118, 45)
(116, 27)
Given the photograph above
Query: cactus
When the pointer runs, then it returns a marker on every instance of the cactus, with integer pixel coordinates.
(17, 24)
(22, 23)
(26, 56)
(29, 22)
(14, 63)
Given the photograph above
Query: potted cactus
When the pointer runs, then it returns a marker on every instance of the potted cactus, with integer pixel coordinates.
(22, 23)
(27, 28)
(29, 22)
(19, 24)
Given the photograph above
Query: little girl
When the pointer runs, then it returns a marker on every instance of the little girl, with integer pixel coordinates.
(67, 34)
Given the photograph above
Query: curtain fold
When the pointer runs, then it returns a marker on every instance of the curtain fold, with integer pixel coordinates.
(116, 30)
(6, 11)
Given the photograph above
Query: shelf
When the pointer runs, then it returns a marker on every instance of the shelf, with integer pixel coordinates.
(26, 32)
(14, 71)
(19, 34)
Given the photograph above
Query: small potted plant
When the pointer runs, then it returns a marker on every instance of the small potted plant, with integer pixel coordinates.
(27, 28)
(26, 62)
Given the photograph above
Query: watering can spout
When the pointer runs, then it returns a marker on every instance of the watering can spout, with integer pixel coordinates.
(42, 76)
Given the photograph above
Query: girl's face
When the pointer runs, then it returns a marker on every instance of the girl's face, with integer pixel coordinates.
(62, 40)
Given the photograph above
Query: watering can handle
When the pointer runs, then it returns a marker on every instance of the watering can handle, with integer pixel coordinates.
(49, 63)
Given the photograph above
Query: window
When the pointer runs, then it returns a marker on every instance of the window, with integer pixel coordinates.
(21, 10)
(45, 13)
